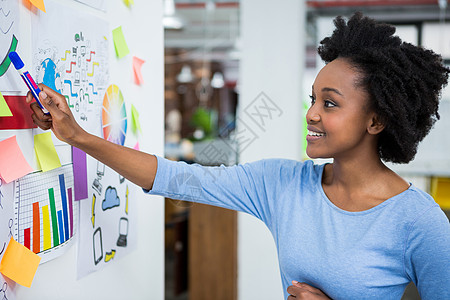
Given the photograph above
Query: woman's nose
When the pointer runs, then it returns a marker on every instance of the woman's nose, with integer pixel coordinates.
(312, 115)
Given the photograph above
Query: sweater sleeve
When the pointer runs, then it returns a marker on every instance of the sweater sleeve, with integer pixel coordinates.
(242, 187)
(427, 255)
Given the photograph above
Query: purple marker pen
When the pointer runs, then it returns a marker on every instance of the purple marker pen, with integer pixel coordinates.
(32, 86)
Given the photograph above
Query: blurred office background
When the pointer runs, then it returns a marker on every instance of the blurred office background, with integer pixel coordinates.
(237, 79)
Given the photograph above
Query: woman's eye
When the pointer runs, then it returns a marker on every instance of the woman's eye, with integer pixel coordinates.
(313, 100)
(329, 104)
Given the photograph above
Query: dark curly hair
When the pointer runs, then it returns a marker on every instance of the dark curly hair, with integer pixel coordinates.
(403, 81)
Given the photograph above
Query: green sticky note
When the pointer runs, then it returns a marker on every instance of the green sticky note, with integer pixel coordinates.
(119, 43)
(46, 152)
(4, 108)
(135, 124)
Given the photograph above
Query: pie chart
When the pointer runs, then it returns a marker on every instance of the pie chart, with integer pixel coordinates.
(114, 116)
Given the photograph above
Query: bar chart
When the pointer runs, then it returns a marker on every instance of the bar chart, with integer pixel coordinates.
(45, 209)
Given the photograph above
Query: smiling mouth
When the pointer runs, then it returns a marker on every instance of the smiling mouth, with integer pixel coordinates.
(313, 135)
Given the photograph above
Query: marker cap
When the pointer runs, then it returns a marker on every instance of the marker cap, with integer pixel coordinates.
(15, 59)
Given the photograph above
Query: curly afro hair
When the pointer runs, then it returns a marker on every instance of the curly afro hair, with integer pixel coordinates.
(403, 81)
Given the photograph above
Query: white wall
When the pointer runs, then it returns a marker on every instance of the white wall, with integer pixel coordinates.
(140, 275)
(272, 62)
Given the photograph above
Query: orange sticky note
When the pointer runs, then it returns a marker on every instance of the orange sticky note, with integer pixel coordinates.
(39, 4)
(13, 164)
(137, 66)
(19, 263)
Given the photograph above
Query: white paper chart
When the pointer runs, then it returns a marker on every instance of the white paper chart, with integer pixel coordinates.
(45, 212)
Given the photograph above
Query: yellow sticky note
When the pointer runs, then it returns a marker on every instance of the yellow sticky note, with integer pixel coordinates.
(4, 108)
(119, 43)
(128, 2)
(137, 66)
(135, 124)
(19, 263)
(46, 152)
(39, 4)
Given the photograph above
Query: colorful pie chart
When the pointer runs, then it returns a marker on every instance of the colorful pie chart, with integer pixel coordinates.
(114, 116)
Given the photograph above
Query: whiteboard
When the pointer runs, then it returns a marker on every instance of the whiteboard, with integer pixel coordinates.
(139, 275)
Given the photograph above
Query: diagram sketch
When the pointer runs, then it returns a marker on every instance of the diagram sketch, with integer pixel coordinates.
(73, 60)
(108, 228)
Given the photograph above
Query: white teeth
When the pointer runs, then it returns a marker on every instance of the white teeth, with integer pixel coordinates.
(313, 133)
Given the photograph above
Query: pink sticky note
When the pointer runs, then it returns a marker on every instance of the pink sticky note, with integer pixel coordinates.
(13, 164)
(137, 66)
(136, 147)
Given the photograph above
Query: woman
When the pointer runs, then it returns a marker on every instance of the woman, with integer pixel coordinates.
(352, 229)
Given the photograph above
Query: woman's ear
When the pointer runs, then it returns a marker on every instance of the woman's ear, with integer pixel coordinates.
(375, 125)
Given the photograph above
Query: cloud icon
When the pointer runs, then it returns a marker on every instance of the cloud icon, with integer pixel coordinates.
(111, 199)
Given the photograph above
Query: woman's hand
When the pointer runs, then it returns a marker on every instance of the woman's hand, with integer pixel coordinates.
(60, 120)
(301, 290)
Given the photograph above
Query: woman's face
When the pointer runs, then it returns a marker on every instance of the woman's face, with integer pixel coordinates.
(338, 118)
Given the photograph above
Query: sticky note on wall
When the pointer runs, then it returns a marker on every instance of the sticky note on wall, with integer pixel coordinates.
(46, 152)
(79, 174)
(4, 108)
(137, 70)
(39, 4)
(19, 263)
(135, 124)
(13, 164)
(119, 43)
(128, 2)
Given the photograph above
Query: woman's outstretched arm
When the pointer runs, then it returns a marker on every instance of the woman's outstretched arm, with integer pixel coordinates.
(138, 167)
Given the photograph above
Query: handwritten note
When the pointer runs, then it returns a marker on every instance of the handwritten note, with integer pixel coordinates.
(13, 164)
(137, 66)
(39, 4)
(4, 108)
(19, 263)
(119, 43)
(46, 152)
(135, 124)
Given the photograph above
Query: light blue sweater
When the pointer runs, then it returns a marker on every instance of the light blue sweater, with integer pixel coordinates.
(371, 254)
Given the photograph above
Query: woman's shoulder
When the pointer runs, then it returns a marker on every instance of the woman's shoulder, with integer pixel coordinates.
(288, 168)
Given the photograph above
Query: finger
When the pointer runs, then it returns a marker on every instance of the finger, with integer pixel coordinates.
(307, 287)
(45, 125)
(30, 97)
(51, 104)
(55, 97)
(293, 290)
(37, 110)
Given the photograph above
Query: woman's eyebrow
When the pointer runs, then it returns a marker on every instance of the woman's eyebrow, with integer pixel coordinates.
(328, 89)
